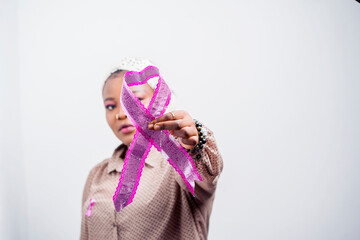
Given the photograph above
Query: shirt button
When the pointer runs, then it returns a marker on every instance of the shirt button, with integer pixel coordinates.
(114, 225)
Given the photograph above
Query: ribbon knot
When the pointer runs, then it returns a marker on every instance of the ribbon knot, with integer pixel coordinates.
(145, 138)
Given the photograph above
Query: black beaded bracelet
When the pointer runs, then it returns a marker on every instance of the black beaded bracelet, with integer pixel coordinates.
(202, 139)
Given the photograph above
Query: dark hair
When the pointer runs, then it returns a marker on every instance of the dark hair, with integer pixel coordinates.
(112, 75)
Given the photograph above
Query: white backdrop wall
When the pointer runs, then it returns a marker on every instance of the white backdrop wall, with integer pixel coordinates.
(277, 82)
(13, 214)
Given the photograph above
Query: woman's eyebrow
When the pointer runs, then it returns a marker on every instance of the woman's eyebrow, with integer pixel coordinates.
(109, 98)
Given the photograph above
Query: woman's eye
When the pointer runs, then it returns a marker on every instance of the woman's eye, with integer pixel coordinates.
(140, 98)
(110, 107)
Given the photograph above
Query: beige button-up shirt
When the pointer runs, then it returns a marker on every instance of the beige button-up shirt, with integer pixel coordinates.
(163, 207)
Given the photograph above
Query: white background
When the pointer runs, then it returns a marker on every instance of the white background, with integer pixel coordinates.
(277, 81)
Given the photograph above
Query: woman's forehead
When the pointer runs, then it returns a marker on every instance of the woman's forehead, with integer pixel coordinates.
(114, 85)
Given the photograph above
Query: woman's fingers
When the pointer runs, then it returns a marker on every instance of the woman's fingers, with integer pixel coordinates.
(192, 141)
(169, 125)
(170, 116)
(188, 135)
(185, 132)
(179, 124)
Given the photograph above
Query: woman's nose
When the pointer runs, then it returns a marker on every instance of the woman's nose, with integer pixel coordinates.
(120, 115)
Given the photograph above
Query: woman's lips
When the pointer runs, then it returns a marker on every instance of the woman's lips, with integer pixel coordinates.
(127, 128)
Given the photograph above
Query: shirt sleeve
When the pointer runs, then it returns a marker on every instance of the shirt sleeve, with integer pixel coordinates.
(209, 166)
(84, 228)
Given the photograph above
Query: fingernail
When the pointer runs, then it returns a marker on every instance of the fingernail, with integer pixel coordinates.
(156, 127)
(150, 126)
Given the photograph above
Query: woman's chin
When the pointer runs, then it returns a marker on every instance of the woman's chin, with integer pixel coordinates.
(126, 139)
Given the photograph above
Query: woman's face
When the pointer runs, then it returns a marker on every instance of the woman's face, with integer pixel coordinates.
(122, 127)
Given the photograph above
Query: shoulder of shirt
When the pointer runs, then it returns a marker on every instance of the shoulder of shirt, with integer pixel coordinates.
(101, 166)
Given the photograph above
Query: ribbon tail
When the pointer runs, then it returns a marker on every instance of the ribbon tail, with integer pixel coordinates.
(131, 173)
(88, 213)
(188, 174)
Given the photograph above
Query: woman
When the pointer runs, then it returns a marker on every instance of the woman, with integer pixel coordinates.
(163, 207)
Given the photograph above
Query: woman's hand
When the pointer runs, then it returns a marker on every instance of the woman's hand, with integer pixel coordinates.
(180, 124)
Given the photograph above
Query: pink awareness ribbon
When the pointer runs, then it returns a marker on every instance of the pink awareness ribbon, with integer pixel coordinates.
(144, 138)
(88, 213)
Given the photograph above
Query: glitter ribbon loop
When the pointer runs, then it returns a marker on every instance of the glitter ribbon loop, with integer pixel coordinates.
(144, 138)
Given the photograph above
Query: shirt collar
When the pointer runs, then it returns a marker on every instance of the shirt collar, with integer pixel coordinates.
(116, 162)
